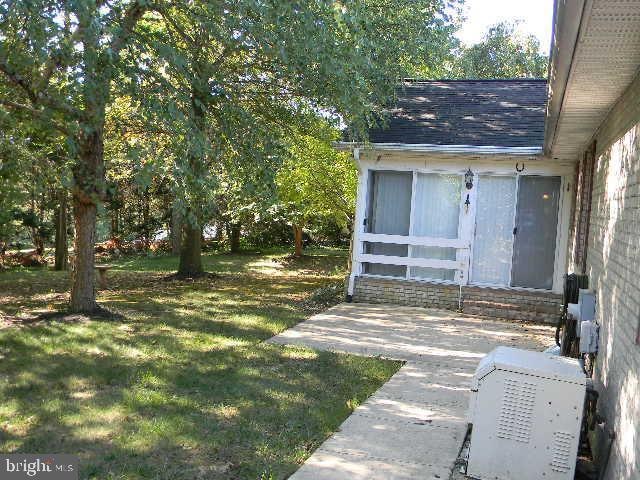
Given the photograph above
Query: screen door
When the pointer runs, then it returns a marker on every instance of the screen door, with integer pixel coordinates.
(534, 249)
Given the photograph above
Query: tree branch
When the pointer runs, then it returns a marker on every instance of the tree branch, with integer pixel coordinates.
(37, 97)
(36, 113)
(128, 23)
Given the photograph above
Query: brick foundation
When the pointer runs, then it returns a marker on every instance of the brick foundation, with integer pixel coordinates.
(491, 302)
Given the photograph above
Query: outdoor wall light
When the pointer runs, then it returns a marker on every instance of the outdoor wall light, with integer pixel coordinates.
(468, 181)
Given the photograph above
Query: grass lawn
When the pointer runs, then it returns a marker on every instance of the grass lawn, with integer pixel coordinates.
(180, 387)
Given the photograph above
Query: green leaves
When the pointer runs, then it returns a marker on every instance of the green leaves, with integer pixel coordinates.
(503, 53)
(317, 181)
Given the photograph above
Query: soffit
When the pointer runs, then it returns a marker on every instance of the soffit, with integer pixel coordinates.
(605, 62)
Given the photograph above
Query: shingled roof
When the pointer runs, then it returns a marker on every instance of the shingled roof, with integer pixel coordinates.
(500, 113)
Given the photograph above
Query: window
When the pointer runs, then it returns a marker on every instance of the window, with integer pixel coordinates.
(493, 244)
(436, 215)
(389, 212)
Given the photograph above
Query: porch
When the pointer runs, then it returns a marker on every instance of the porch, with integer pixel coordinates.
(484, 232)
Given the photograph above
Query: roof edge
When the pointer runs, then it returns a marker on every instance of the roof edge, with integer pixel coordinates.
(483, 80)
(426, 147)
(568, 18)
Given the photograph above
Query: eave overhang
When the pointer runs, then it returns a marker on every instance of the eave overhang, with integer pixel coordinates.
(595, 56)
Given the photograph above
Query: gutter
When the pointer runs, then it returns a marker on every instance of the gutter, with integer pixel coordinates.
(430, 148)
(568, 16)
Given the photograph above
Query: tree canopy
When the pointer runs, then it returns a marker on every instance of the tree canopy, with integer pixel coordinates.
(502, 53)
(197, 86)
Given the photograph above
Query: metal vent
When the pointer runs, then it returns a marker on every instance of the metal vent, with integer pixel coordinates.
(517, 410)
(562, 442)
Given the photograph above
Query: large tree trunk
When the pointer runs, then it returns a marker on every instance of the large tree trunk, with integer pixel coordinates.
(89, 189)
(83, 295)
(176, 229)
(191, 249)
(234, 238)
(62, 251)
(190, 252)
(297, 240)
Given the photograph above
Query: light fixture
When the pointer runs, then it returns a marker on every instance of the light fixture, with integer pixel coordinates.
(468, 181)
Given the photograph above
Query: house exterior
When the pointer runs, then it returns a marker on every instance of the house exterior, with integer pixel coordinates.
(593, 119)
(555, 189)
(458, 206)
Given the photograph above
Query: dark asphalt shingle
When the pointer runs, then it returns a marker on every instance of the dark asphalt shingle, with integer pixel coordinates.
(506, 113)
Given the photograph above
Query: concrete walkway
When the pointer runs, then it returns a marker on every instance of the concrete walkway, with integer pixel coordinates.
(412, 427)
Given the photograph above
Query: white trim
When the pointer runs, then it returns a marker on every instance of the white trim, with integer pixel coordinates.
(414, 240)
(498, 164)
(358, 227)
(516, 202)
(428, 147)
(410, 262)
(564, 225)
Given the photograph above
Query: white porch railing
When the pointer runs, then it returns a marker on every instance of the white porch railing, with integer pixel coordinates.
(460, 264)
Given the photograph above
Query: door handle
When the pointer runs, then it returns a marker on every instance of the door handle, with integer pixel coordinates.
(515, 230)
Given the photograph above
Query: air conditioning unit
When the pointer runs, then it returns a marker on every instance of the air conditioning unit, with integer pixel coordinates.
(526, 410)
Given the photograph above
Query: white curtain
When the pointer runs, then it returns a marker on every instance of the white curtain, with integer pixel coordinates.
(390, 203)
(437, 214)
(389, 213)
(493, 243)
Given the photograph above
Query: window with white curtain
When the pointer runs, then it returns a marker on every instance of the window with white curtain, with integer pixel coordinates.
(389, 211)
(437, 215)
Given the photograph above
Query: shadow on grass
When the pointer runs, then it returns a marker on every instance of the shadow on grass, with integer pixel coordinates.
(182, 387)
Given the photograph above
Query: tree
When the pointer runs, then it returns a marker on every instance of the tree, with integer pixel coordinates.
(316, 181)
(14, 158)
(503, 53)
(251, 72)
(220, 76)
(61, 57)
(32, 178)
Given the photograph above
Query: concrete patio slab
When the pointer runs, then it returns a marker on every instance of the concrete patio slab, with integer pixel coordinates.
(414, 425)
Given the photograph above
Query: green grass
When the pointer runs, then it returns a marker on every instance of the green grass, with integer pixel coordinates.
(182, 387)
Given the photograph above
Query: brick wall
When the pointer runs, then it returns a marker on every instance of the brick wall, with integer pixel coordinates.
(405, 292)
(613, 265)
(494, 302)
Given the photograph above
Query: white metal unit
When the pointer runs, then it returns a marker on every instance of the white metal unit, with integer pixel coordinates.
(587, 305)
(526, 410)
